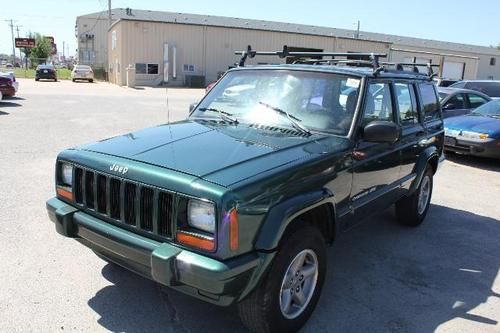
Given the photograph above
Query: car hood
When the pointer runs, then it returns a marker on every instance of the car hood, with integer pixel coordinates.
(220, 153)
(479, 124)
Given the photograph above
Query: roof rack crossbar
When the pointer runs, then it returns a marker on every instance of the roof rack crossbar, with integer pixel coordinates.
(249, 53)
(353, 58)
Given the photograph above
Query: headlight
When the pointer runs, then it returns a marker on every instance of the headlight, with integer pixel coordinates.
(201, 215)
(67, 174)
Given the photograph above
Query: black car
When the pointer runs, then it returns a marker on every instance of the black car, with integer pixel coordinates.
(45, 72)
(457, 102)
(270, 167)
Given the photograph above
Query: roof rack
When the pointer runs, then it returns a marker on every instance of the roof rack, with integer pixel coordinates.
(358, 59)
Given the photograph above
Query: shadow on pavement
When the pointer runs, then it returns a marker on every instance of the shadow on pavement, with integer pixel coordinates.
(7, 104)
(15, 98)
(381, 277)
(3, 113)
(475, 162)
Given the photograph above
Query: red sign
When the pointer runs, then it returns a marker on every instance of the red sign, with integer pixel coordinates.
(28, 43)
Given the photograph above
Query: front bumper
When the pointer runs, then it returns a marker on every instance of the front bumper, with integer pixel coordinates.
(484, 148)
(205, 278)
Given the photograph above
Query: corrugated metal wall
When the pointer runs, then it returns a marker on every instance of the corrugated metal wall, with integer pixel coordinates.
(205, 51)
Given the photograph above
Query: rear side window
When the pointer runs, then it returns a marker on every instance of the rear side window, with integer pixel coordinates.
(378, 105)
(475, 100)
(406, 103)
(430, 102)
(491, 89)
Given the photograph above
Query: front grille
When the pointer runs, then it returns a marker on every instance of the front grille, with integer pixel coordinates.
(135, 205)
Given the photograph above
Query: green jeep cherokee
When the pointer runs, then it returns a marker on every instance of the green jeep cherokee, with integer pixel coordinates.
(237, 203)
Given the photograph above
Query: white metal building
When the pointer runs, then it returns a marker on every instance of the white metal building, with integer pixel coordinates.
(185, 49)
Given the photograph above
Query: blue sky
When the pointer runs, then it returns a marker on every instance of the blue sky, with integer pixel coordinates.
(472, 22)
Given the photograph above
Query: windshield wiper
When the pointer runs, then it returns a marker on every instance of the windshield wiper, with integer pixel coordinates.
(223, 114)
(293, 120)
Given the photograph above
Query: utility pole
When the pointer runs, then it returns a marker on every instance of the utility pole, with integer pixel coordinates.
(11, 25)
(357, 30)
(109, 13)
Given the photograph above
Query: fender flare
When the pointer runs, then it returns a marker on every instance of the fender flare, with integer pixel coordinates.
(281, 216)
(423, 161)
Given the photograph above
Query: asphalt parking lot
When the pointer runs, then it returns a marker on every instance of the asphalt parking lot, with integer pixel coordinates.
(443, 276)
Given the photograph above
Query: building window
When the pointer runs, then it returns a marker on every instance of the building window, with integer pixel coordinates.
(188, 68)
(493, 61)
(491, 77)
(141, 68)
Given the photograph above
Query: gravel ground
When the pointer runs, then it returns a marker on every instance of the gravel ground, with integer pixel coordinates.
(443, 276)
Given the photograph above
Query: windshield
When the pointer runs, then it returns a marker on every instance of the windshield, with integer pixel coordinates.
(306, 101)
(490, 109)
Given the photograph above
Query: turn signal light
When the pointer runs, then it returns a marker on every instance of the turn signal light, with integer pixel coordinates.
(64, 193)
(233, 230)
(483, 136)
(195, 241)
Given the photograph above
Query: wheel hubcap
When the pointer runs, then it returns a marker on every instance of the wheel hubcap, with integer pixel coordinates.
(299, 284)
(424, 195)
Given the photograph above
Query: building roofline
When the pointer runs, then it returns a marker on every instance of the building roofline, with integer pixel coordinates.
(261, 25)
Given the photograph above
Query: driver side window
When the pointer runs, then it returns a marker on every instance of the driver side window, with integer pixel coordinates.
(378, 103)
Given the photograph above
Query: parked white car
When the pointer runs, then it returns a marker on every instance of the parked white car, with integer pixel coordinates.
(82, 72)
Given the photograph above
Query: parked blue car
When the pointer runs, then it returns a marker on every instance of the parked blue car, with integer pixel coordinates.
(477, 133)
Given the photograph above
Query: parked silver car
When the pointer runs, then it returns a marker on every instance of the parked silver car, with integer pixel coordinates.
(82, 72)
(457, 102)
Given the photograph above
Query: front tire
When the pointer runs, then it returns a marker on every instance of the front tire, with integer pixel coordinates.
(411, 211)
(289, 293)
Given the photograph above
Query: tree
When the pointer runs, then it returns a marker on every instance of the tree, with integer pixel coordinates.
(41, 51)
(498, 47)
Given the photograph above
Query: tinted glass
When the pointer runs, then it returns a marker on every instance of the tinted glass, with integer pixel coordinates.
(476, 101)
(378, 105)
(430, 103)
(406, 105)
(456, 102)
(320, 101)
(491, 89)
(152, 68)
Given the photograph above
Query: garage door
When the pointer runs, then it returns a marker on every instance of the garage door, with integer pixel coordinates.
(453, 70)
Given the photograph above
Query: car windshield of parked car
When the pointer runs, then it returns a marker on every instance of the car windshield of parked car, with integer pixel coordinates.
(45, 67)
(316, 101)
(490, 109)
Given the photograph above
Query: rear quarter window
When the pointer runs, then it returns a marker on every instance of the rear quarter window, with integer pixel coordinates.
(429, 101)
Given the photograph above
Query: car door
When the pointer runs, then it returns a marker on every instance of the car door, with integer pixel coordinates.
(455, 105)
(412, 130)
(376, 165)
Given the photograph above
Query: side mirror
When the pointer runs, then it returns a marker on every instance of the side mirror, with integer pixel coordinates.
(192, 106)
(381, 131)
(449, 106)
